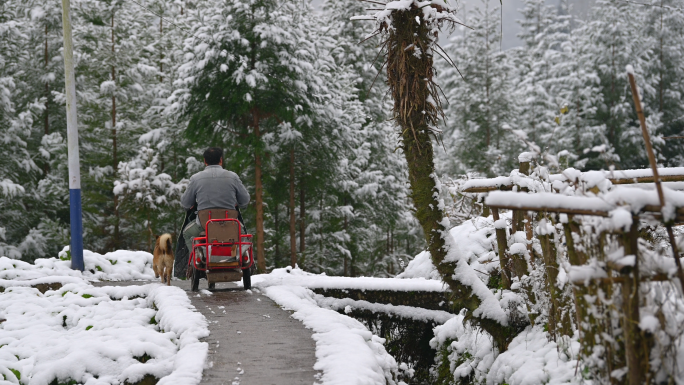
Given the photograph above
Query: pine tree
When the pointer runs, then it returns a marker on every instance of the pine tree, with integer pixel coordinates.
(22, 233)
(613, 40)
(369, 193)
(249, 78)
(147, 195)
(575, 87)
(481, 108)
(540, 28)
(112, 72)
(664, 28)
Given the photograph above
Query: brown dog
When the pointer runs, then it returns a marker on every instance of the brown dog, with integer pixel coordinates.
(162, 263)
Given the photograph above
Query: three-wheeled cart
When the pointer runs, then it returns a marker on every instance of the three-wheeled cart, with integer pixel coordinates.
(222, 253)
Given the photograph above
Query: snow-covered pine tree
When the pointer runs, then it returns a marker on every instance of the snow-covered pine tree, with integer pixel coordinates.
(574, 87)
(613, 38)
(111, 74)
(29, 218)
(147, 195)
(45, 83)
(14, 131)
(163, 57)
(664, 28)
(247, 72)
(160, 132)
(481, 104)
(540, 27)
(368, 197)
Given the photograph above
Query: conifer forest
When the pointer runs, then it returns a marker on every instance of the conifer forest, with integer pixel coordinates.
(299, 99)
(433, 207)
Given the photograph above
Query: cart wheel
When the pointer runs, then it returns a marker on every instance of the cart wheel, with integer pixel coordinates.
(247, 278)
(212, 285)
(195, 279)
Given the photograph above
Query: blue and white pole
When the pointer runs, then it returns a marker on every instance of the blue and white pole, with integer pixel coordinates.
(72, 144)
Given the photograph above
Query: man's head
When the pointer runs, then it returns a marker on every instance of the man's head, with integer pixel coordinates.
(213, 156)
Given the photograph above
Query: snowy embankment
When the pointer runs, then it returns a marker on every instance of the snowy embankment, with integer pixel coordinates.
(343, 343)
(346, 351)
(531, 358)
(96, 335)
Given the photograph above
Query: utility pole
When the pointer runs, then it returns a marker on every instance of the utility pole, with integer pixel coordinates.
(72, 144)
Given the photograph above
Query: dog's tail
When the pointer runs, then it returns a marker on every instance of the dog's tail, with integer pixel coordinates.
(165, 244)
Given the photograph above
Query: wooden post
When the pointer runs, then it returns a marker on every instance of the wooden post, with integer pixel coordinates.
(523, 221)
(578, 292)
(551, 273)
(529, 234)
(637, 362)
(524, 167)
(502, 243)
(485, 210)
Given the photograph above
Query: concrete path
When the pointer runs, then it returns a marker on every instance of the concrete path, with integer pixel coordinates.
(252, 341)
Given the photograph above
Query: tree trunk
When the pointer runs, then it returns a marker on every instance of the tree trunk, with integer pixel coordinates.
(115, 160)
(161, 54)
(276, 259)
(392, 241)
(346, 225)
(660, 81)
(302, 218)
(46, 166)
(258, 200)
(410, 78)
(387, 241)
(293, 219)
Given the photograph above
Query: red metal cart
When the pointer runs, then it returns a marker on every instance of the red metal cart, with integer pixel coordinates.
(222, 253)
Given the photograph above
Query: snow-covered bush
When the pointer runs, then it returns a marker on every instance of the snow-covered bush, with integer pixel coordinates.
(55, 327)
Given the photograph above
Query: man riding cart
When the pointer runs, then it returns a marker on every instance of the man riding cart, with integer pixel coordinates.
(219, 248)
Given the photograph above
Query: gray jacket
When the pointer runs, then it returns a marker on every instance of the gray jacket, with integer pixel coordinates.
(215, 188)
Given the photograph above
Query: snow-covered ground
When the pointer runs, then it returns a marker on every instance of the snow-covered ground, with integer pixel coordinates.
(121, 265)
(96, 335)
(111, 334)
(108, 335)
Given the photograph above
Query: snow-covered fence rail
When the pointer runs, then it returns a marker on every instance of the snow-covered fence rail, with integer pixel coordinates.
(577, 205)
(675, 175)
(588, 254)
(431, 300)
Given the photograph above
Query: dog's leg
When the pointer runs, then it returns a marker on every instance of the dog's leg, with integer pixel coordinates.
(169, 270)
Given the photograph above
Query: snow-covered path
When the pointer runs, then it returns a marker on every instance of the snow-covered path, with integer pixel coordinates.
(252, 341)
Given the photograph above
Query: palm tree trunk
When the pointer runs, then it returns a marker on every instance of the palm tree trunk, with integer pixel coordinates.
(417, 107)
